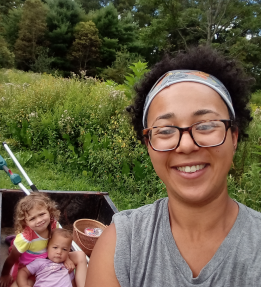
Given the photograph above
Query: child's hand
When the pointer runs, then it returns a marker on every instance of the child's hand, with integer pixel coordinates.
(6, 280)
(69, 265)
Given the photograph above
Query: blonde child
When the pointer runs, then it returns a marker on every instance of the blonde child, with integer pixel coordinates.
(50, 272)
(36, 215)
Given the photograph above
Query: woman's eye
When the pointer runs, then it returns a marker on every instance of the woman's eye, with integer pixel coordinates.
(205, 127)
(165, 131)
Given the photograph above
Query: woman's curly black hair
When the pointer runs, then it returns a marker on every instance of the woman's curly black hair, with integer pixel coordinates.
(204, 59)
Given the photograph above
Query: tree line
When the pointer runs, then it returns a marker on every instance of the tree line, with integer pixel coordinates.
(104, 37)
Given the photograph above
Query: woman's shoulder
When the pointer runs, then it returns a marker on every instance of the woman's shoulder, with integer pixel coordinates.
(250, 225)
(253, 215)
(142, 212)
(141, 220)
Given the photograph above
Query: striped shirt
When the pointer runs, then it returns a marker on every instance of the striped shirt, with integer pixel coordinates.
(31, 244)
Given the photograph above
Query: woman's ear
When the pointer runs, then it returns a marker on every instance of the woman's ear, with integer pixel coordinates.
(235, 138)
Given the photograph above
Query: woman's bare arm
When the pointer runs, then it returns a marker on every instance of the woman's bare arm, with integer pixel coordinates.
(101, 271)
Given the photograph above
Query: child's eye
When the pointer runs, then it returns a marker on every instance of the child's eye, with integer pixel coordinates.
(31, 219)
(55, 247)
(65, 249)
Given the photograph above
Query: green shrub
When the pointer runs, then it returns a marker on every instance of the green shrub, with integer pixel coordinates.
(256, 98)
(80, 123)
(6, 56)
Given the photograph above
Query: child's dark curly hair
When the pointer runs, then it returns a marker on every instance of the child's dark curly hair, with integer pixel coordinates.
(207, 60)
(27, 203)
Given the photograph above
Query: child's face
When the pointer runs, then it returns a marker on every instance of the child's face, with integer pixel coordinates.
(38, 219)
(58, 248)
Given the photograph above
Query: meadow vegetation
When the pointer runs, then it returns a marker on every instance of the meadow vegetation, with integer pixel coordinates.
(74, 134)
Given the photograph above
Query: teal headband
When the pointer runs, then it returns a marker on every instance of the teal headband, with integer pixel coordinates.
(178, 76)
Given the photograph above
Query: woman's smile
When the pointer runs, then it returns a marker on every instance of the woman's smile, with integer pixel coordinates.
(191, 170)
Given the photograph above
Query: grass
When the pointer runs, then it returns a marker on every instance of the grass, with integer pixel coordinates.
(47, 176)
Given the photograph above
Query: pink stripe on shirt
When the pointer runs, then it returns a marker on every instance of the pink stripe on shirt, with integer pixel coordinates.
(26, 258)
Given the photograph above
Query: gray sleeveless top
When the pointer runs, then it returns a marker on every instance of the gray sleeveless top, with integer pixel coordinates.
(146, 254)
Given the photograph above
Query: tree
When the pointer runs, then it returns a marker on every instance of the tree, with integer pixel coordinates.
(31, 33)
(124, 6)
(228, 25)
(6, 57)
(8, 5)
(86, 45)
(10, 24)
(43, 62)
(62, 17)
(116, 32)
(120, 67)
(92, 5)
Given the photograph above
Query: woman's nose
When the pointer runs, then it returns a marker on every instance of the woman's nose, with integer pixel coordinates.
(186, 144)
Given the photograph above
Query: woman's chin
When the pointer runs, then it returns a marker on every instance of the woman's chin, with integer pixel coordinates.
(193, 196)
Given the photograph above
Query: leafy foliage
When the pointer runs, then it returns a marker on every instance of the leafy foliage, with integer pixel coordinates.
(144, 29)
(115, 32)
(62, 17)
(52, 119)
(43, 62)
(91, 5)
(6, 57)
(85, 47)
(121, 66)
(10, 24)
(138, 70)
(32, 29)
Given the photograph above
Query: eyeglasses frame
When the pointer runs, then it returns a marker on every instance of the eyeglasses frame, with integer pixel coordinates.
(228, 124)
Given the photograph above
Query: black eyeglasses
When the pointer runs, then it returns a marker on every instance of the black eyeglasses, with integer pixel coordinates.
(208, 133)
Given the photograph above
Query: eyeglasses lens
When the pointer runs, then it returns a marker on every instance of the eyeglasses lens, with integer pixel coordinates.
(164, 138)
(209, 133)
(205, 134)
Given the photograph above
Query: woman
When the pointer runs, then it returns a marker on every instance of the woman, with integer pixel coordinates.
(190, 111)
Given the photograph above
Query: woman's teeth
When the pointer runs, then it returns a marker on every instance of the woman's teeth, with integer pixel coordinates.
(192, 168)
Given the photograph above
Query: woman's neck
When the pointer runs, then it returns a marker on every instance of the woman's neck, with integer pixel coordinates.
(219, 214)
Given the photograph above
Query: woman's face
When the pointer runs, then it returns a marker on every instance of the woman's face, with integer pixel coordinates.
(182, 105)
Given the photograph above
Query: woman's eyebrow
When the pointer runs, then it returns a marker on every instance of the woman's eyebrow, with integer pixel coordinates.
(165, 117)
(204, 112)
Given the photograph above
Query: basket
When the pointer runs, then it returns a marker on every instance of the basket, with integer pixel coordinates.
(85, 242)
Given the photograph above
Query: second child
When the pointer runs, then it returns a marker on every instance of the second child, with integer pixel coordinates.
(51, 272)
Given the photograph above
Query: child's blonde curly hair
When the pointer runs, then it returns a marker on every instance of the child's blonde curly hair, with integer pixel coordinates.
(27, 203)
